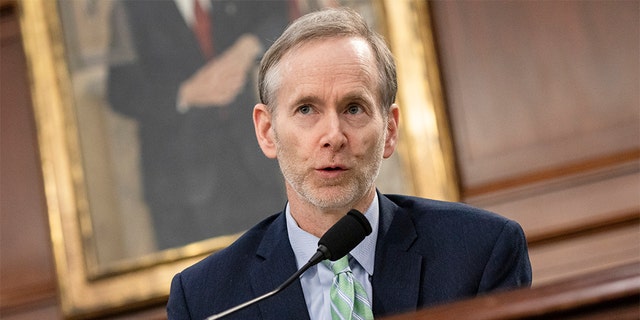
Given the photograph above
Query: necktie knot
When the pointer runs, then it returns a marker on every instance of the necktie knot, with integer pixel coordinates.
(339, 266)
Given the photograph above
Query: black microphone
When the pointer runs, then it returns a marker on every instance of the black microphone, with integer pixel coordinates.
(339, 240)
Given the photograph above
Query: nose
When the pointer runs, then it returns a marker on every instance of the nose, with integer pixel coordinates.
(333, 135)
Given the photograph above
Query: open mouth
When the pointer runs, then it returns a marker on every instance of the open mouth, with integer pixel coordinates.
(332, 172)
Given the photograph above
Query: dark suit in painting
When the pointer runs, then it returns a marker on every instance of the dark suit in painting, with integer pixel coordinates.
(203, 173)
(428, 252)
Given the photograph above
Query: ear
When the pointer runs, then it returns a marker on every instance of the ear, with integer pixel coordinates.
(392, 131)
(262, 122)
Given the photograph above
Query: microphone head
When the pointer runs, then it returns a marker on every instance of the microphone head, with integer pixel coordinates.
(345, 235)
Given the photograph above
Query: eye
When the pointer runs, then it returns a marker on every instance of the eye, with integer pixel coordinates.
(354, 109)
(304, 109)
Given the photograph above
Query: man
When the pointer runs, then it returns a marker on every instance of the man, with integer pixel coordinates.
(183, 71)
(327, 87)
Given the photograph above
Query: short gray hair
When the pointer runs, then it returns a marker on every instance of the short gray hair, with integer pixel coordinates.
(328, 23)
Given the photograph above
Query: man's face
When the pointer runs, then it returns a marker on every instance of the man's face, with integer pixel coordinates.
(328, 130)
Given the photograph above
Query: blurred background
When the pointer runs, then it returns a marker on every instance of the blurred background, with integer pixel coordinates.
(543, 103)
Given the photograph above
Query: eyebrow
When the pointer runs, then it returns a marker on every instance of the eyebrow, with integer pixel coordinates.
(307, 99)
(360, 96)
(356, 95)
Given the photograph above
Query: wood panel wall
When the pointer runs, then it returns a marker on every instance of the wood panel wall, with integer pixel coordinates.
(27, 280)
(543, 101)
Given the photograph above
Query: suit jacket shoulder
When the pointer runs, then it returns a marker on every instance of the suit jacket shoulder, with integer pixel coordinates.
(443, 251)
(258, 262)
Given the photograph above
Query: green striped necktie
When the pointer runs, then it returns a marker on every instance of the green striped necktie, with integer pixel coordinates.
(348, 298)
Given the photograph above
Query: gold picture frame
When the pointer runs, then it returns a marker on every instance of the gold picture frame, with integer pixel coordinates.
(425, 154)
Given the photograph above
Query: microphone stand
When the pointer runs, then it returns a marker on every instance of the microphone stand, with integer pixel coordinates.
(315, 259)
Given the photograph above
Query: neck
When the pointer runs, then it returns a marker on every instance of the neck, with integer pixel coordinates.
(317, 220)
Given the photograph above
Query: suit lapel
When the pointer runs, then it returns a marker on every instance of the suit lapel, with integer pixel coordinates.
(396, 285)
(275, 264)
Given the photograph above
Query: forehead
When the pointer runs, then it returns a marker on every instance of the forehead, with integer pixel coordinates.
(336, 59)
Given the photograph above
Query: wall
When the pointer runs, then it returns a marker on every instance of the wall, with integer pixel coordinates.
(27, 280)
(544, 104)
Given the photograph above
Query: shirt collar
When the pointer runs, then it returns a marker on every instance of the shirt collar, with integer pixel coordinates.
(305, 244)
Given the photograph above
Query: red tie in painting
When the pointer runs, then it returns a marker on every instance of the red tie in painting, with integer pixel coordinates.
(202, 28)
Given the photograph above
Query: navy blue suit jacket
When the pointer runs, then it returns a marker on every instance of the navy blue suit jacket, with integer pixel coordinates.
(428, 252)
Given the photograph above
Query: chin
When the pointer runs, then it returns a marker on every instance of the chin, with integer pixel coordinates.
(333, 198)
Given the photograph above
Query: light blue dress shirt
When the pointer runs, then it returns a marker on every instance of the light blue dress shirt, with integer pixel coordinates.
(316, 282)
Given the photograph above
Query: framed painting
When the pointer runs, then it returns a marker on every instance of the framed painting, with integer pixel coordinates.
(143, 179)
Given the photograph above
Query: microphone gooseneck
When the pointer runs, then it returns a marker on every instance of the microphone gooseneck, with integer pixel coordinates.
(339, 240)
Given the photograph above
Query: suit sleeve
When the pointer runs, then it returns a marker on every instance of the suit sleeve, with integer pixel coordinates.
(177, 306)
(508, 266)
